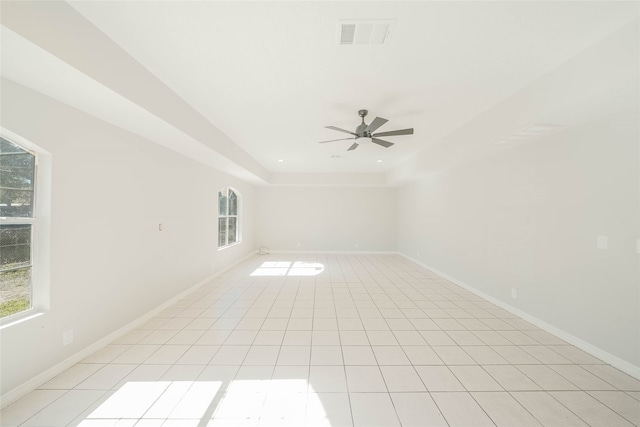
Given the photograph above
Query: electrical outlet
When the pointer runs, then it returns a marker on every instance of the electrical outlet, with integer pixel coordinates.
(160, 227)
(514, 293)
(67, 337)
(603, 242)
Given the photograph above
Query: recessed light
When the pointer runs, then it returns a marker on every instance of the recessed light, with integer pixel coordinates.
(280, 160)
(379, 161)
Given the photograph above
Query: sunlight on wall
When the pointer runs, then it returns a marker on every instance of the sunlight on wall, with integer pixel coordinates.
(285, 268)
(205, 403)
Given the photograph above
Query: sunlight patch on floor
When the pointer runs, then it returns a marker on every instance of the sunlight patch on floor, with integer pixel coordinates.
(257, 402)
(286, 268)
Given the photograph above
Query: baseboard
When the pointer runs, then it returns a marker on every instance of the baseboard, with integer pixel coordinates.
(35, 382)
(284, 252)
(601, 354)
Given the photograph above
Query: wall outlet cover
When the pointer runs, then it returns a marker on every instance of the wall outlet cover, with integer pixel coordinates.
(67, 337)
(603, 242)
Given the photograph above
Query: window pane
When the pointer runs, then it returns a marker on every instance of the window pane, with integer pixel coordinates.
(16, 180)
(222, 231)
(222, 202)
(233, 230)
(233, 203)
(15, 245)
(15, 291)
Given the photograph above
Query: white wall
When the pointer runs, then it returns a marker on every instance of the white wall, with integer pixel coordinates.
(109, 263)
(326, 218)
(528, 219)
(528, 216)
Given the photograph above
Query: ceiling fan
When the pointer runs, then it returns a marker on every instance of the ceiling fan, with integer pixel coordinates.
(365, 131)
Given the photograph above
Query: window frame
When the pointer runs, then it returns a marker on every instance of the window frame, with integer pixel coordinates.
(40, 222)
(226, 216)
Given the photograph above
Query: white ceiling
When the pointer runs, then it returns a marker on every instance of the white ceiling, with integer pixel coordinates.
(271, 75)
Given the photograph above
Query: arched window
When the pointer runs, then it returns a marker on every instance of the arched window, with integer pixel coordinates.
(228, 217)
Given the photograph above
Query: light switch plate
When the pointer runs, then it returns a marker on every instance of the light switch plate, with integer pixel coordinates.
(603, 242)
(67, 337)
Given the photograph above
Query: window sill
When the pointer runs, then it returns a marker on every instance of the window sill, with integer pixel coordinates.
(228, 246)
(18, 318)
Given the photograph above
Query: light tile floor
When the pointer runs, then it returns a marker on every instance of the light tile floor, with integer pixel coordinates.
(334, 340)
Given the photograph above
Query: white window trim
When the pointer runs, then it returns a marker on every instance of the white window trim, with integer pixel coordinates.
(238, 218)
(40, 232)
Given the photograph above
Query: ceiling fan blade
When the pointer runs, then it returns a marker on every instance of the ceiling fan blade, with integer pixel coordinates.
(395, 132)
(339, 130)
(353, 147)
(385, 144)
(375, 124)
(333, 140)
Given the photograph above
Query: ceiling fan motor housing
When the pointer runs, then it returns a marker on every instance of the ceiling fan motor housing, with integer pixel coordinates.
(360, 130)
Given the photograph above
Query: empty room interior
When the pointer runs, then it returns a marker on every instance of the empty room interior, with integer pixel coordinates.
(320, 214)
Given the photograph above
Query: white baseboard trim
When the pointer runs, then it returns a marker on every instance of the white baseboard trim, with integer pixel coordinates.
(35, 382)
(283, 252)
(615, 361)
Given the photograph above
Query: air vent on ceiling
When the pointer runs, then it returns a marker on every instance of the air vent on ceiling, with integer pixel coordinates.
(364, 31)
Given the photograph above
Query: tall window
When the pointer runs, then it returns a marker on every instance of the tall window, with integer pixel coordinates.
(17, 190)
(228, 217)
